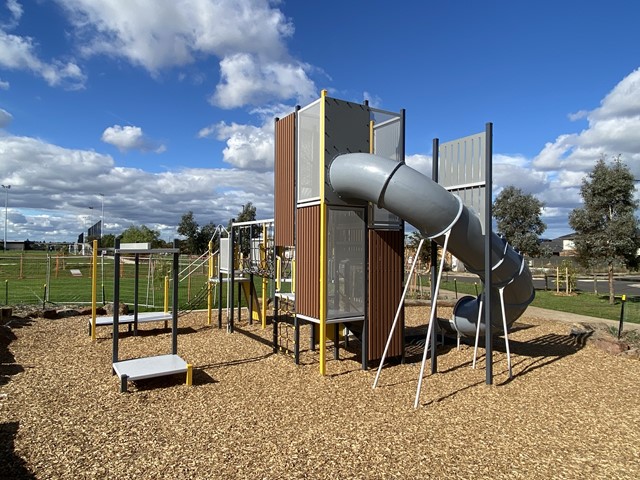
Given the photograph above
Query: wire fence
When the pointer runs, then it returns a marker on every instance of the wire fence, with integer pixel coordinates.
(44, 278)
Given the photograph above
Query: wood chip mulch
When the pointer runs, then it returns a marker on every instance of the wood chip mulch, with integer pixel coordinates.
(570, 410)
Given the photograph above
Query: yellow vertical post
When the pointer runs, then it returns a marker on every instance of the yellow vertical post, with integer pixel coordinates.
(166, 294)
(293, 276)
(209, 284)
(189, 381)
(94, 289)
(323, 242)
(263, 261)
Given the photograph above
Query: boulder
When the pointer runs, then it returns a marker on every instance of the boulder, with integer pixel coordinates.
(123, 310)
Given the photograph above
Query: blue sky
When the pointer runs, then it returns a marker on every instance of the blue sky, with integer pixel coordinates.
(167, 106)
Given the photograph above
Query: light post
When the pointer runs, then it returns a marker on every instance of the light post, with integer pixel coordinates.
(6, 204)
(102, 218)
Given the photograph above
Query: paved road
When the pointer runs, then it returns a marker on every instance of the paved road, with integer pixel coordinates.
(629, 285)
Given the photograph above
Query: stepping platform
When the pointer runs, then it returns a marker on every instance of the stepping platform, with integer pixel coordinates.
(150, 367)
(143, 317)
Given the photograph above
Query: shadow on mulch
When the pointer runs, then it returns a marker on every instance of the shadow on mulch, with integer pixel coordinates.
(157, 331)
(8, 365)
(200, 377)
(13, 466)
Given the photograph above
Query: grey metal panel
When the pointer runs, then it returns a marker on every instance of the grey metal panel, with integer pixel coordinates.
(346, 131)
(462, 171)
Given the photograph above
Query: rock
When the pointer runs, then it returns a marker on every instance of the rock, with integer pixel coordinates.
(610, 345)
(632, 353)
(124, 309)
(580, 332)
(50, 314)
(67, 312)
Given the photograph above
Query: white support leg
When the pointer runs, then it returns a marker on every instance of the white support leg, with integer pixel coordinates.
(475, 347)
(506, 333)
(395, 320)
(434, 301)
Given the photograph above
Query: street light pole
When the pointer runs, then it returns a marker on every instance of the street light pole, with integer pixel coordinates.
(6, 204)
(102, 218)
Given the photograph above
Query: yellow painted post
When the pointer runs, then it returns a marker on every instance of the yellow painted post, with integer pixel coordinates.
(278, 273)
(263, 261)
(166, 294)
(323, 243)
(189, 374)
(94, 289)
(293, 276)
(209, 284)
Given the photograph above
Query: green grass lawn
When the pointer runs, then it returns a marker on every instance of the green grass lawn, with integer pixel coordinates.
(582, 303)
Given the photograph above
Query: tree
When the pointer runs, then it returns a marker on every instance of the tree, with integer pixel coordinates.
(188, 227)
(197, 237)
(518, 217)
(141, 234)
(413, 241)
(606, 226)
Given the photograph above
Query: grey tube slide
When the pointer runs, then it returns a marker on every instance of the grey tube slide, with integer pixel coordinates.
(433, 211)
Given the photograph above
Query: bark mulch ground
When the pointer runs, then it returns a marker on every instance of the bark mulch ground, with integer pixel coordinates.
(570, 411)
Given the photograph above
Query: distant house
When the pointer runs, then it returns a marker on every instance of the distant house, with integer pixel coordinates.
(562, 246)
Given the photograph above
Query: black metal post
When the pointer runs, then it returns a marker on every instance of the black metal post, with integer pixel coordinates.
(488, 277)
(232, 277)
(434, 265)
(116, 300)
(624, 298)
(135, 293)
(175, 306)
(220, 285)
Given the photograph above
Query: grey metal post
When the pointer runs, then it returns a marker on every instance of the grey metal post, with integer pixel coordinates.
(136, 284)
(488, 280)
(435, 158)
(116, 299)
(174, 316)
(232, 276)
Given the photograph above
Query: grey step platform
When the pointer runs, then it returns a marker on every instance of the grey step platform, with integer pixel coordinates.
(128, 319)
(150, 367)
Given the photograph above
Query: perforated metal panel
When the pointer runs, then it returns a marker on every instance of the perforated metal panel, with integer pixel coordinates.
(461, 170)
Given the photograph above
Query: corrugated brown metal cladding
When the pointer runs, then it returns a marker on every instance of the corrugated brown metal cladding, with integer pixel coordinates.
(308, 261)
(284, 180)
(385, 291)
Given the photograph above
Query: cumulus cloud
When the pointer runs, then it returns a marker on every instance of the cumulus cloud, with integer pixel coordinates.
(612, 129)
(15, 13)
(419, 162)
(5, 118)
(130, 138)
(255, 65)
(248, 80)
(4, 85)
(248, 146)
(55, 209)
(19, 53)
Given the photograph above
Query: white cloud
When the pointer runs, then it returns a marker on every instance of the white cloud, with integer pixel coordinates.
(177, 32)
(15, 11)
(612, 130)
(5, 118)
(130, 138)
(247, 35)
(248, 146)
(248, 80)
(19, 53)
(421, 163)
(47, 205)
(4, 85)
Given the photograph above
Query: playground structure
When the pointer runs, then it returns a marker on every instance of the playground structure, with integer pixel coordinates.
(342, 194)
(333, 255)
(154, 366)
